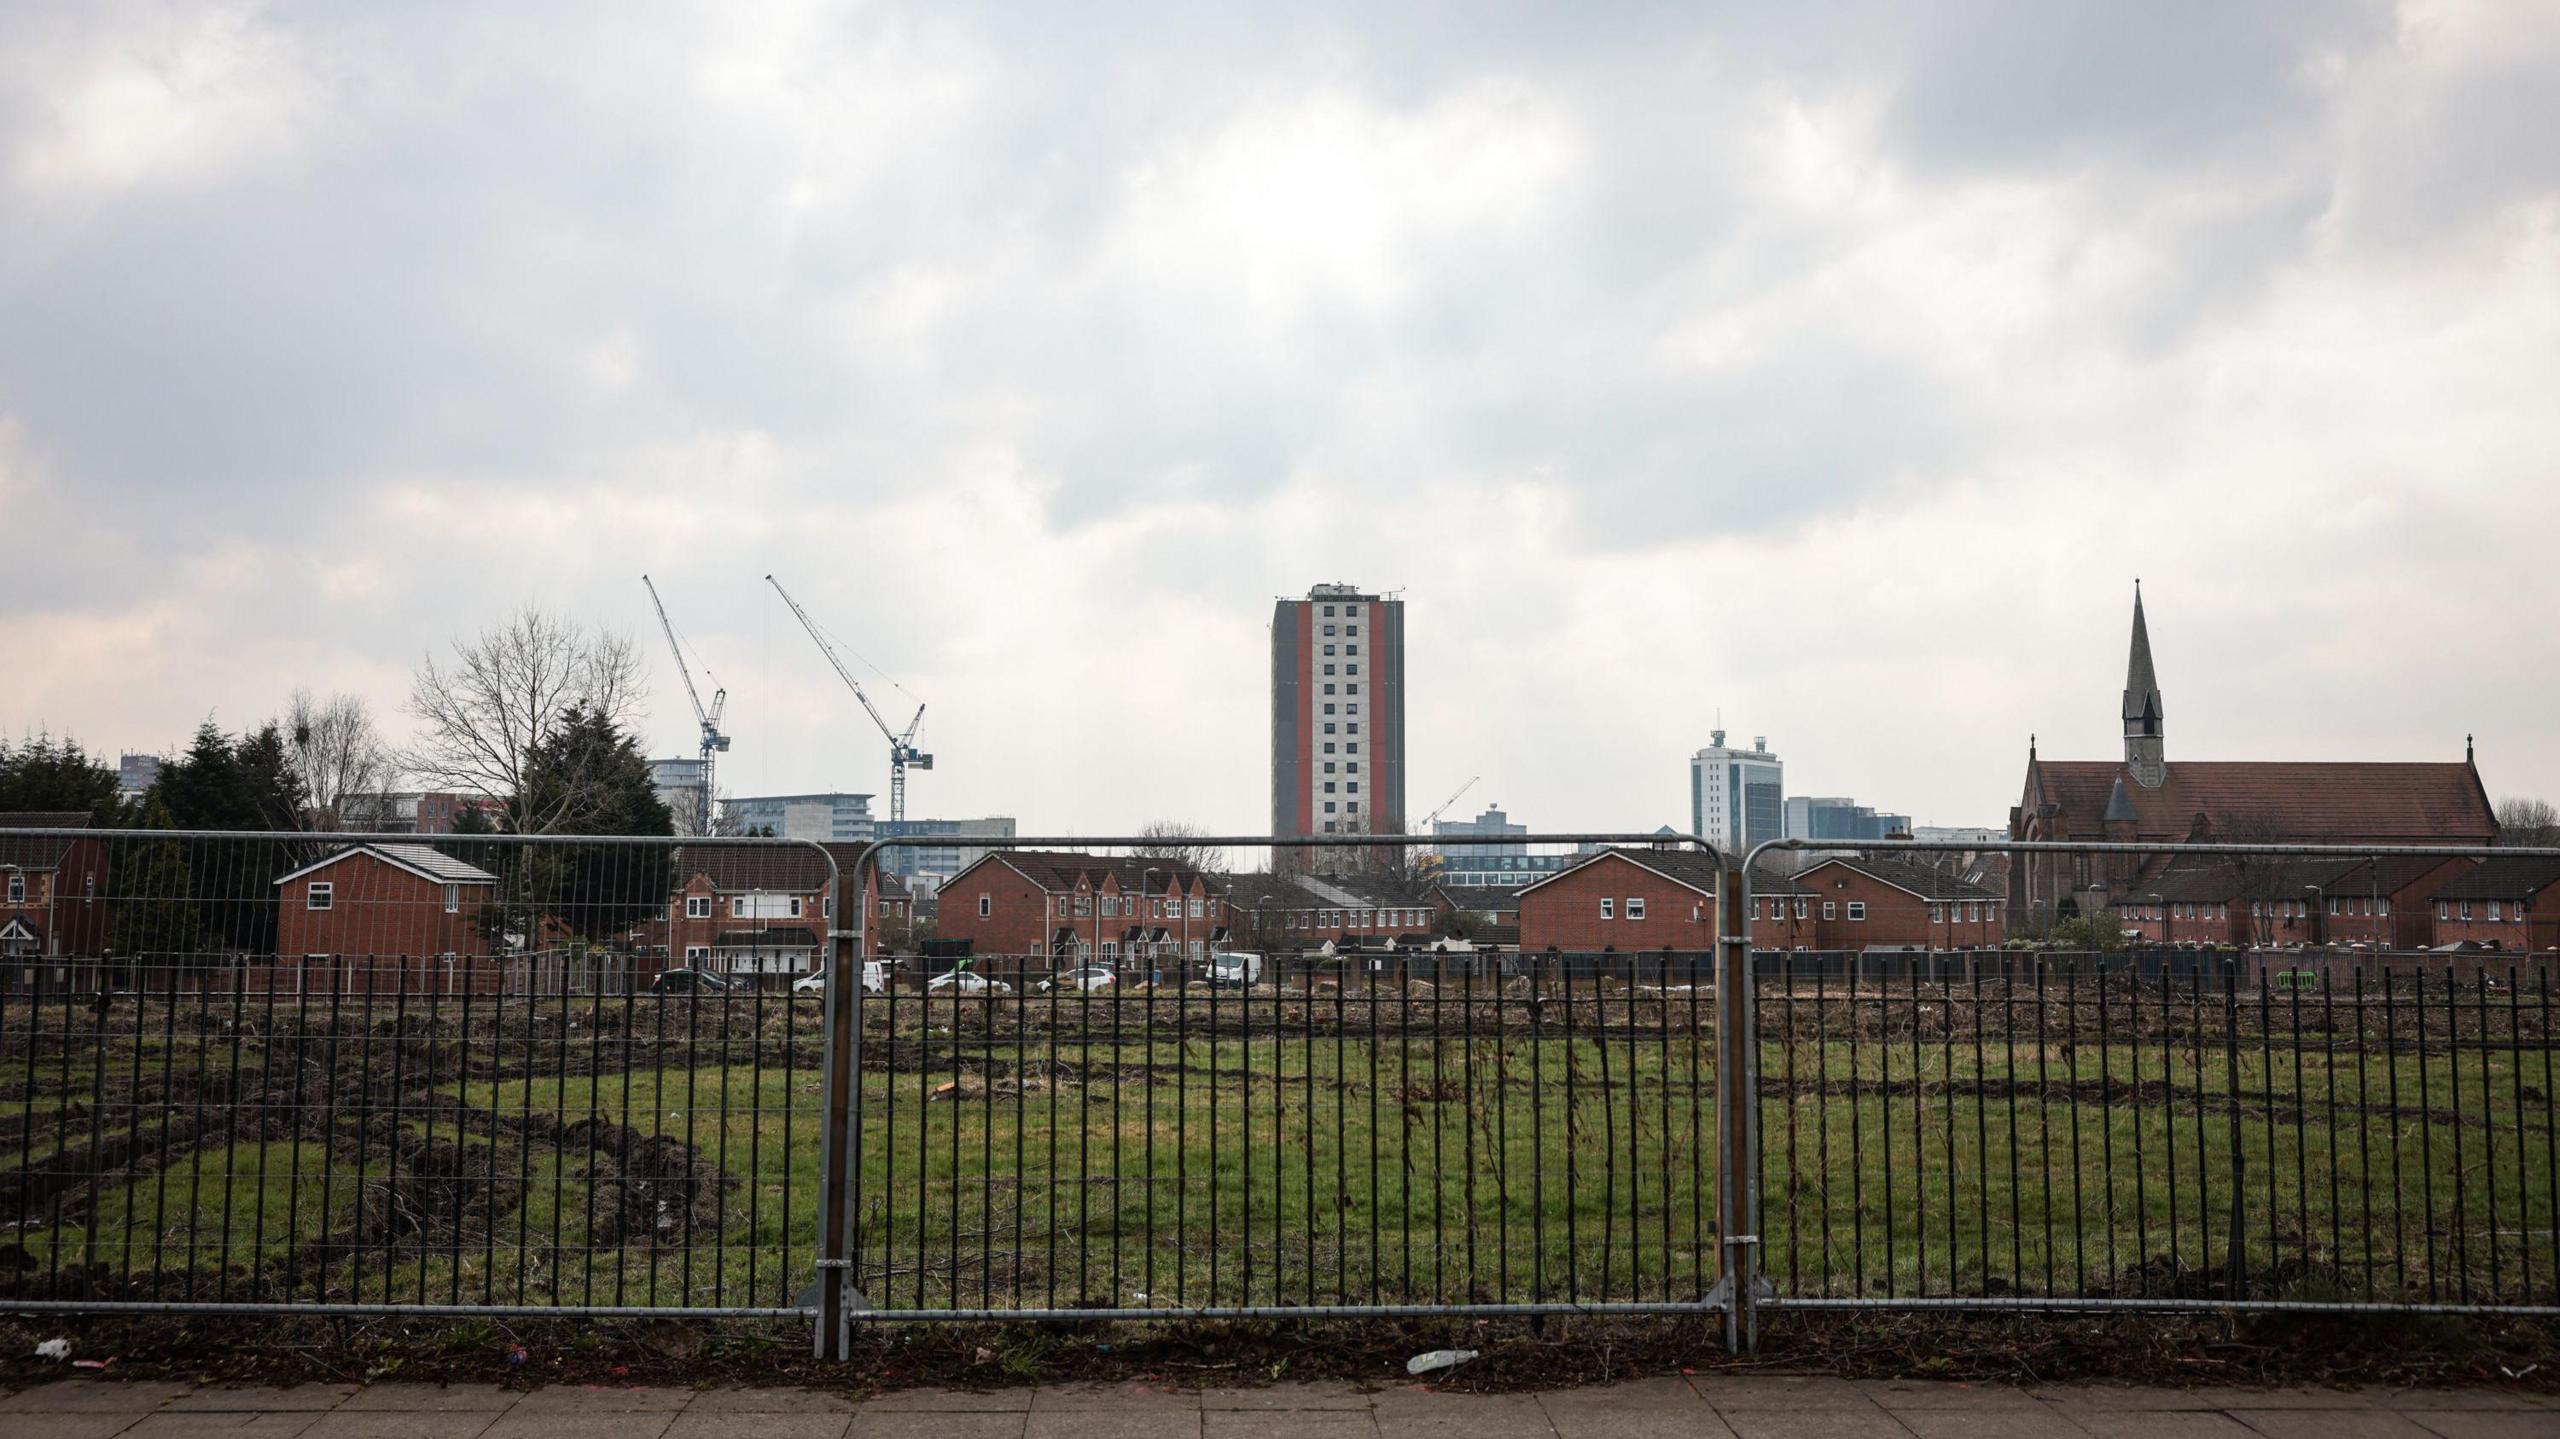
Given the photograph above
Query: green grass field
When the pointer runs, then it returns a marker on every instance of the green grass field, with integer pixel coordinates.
(1026, 1155)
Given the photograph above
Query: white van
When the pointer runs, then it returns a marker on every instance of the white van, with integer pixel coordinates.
(875, 979)
(1234, 969)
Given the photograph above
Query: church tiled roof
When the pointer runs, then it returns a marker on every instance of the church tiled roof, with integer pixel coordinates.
(2251, 800)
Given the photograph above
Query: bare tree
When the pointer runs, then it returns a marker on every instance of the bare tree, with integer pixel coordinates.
(1172, 839)
(337, 754)
(2523, 821)
(483, 714)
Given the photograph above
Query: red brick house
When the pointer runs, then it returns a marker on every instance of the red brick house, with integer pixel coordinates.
(2199, 903)
(1067, 909)
(2508, 903)
(1287, 911)
(1623, 900)
(379, 918)
(1858, 903)
(53, 887)
(2147, 797)
(754, 911)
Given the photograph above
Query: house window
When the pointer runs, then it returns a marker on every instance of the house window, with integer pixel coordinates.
(1328, 689)
(1328, 669)
(2443, 910)
(453, 899)
(1800, 907)
(1328, 709)
(1351, 649)
(1111, 949)
(696, 953)
(17, 887)
(1635, 906)
(1328, 807)
(1830, 910)
(1351, 689)
(1084, 904)
(323, 895)
(697, 906)
(986, 906)
(1608, 909)
(1937, 914)
(2494, 910)
(1328, 729)
(1328, 649)
(2466, 909)
(1857, 909)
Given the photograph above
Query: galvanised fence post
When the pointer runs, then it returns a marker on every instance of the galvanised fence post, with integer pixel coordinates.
(1737, 1110)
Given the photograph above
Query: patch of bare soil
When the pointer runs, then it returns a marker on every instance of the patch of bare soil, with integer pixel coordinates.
(2181, 1351)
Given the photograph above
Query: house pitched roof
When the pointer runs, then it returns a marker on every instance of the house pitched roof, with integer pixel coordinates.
(1058, 871)
(2312, 801)
(1685, 867)
(1926, 881)
(424, 861)
(744, 866)
(1483, 897)
(2506, 877)
(39, 851)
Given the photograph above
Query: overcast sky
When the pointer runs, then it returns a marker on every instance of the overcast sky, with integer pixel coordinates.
(1838, 372)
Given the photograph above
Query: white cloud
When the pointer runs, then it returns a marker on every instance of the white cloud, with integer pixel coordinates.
(1824, 373)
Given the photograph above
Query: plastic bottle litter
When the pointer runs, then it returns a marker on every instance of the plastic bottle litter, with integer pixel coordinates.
(1438, 1359)
(54, 1349)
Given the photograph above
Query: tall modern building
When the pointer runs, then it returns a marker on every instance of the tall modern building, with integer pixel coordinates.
(679, 786)
(1737, 797)
(1828, 817)
(829, 818)
(959, 844)
(1337, 713)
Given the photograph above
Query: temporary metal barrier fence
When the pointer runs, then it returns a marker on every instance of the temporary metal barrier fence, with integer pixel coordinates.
(2162, 1129)
(1378, 1136)
(365, 1074)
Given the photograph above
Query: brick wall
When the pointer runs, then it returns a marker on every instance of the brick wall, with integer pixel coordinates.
(1564, 913)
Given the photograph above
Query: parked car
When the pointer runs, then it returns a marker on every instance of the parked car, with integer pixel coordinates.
(963, 981)
(691, 981)
(1092, 979)
(875, 980)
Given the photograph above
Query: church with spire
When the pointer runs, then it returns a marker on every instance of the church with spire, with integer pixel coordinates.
(2148, 796)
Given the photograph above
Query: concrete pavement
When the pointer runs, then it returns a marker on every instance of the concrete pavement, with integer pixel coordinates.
(1740, 1406)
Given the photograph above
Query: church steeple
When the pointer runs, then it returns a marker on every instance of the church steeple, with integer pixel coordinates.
(2144, 755)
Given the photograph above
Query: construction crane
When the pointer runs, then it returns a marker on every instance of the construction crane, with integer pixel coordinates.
(902, 747)
(1432, 818)
(713, 741)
